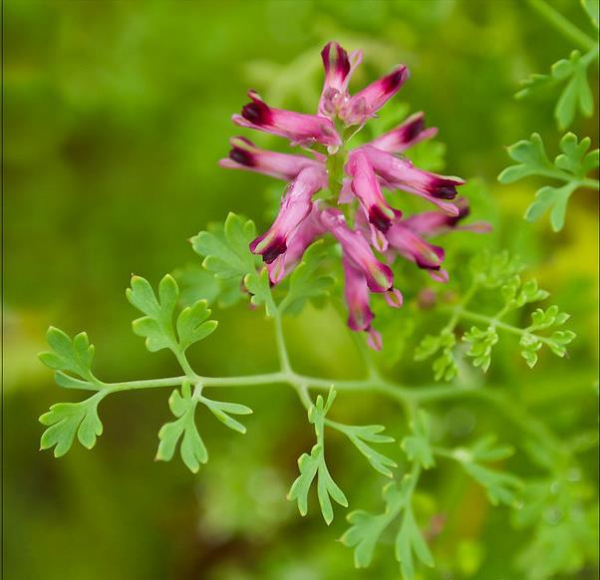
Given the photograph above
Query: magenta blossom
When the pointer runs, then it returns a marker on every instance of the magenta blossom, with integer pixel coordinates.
(370, 231)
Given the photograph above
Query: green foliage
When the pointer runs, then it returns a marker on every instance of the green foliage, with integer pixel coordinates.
(501, 487)
(417, 446)
(314, 465)
(228, 257)
(409, 543)
(444, 366)
(157, 326)
(308, 281)
(223, 411)
(192, 448)
(481, 343)
(571, 166)
(65, 420)
(576, 94)
(496, 272)
(571, 73)
(183, 406)
(191, 325)
(226, 250)
(366, 529)
(563, 531)
(69, 356)
(361, 436)
(592, 9)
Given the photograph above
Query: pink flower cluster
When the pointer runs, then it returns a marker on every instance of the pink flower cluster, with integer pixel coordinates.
(368, 227)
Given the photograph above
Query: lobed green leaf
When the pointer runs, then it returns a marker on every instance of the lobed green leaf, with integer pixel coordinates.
(66, 420)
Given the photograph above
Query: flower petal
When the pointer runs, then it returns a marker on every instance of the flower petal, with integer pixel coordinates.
(295, 207)
(306, 233)
(434, 223)
(409, 133)
(401, 173)
(356, 293)
(367, 102)
(379, 276)
(338, 70)
(297, 127)
(414, 248)
(245, 155)
(366, 188)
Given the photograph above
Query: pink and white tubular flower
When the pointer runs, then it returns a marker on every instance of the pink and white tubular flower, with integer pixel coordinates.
(371, 232)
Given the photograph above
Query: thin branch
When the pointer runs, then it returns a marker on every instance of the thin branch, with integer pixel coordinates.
(564, 26)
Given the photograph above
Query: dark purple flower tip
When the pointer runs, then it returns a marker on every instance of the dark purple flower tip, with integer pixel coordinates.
(424, 265)
(463, 211)
(242, 157)
(379, 219)
(443, 188)
(433, 261)
(413, 129)
(335, 57)
(272, 250)
(257, 112)
(392, 82)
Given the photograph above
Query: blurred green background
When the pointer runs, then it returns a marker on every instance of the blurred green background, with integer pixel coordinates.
(116, 113)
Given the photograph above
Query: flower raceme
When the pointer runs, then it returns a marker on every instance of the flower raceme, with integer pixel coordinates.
(356, 213)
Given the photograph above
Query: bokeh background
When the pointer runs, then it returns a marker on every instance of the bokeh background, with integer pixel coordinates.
(116, 113)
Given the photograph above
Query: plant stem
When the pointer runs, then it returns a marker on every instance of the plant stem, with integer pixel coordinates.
(567, 28)
(496, 323)
(591, 183)
(284, 359)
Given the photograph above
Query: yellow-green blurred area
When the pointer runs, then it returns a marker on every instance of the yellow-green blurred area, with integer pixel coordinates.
(116, 114)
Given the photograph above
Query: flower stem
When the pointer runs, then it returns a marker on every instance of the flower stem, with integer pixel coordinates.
(284, 359)
(564, 26)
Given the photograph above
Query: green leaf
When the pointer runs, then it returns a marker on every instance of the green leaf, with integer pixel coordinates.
(68, 355)
(65, 420)
(195, 283)
(495, 270)
(576, 93)
(222, 411)
(192, 449)
(417, 446)
(444, 366)
(157, 325)
(481, 344)
(366, 529)
(543, 319)
(571, 167)
(191, 325)
(314, 466)
(592, 8)
(361, 436)
(410, 541)
(500, 487)
(532, 159)
(228, 257)
(183, 405)
(307, 281)
(516, 294)
(226, 249)
(259, 287)
(554, 199)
